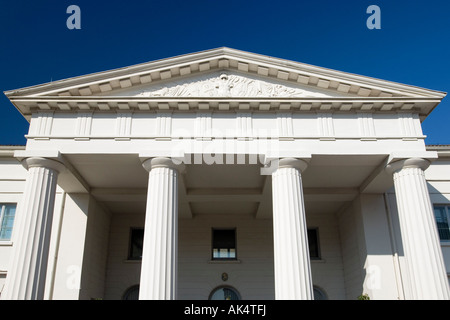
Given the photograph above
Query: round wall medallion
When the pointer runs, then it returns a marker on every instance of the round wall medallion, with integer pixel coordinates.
(224, 276)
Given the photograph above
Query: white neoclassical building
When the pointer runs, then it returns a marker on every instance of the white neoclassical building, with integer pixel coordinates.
(224, 174)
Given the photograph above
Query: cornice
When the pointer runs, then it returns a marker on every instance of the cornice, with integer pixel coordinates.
(8, 151)
(443, 151)
(28, 105)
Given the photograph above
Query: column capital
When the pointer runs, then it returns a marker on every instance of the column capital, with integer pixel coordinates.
(163, 162)
(33, 162)
(292, 163)
(408, 163)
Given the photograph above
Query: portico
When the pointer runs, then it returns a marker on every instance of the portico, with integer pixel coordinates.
(226, 140)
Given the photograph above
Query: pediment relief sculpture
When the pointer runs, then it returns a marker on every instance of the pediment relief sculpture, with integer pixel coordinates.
(227, 85)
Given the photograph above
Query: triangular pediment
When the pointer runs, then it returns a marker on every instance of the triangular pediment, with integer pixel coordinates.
(218, 74)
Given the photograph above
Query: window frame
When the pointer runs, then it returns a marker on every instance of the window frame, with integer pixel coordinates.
(447, 213)
(235, 245)
(2, 216)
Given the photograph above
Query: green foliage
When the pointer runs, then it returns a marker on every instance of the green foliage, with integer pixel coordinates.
(364, 296)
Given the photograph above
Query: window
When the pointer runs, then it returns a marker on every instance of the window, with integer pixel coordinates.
(224, 244)
(224, 293)
(7, 213)
(136, 243)
(132, 293)
(313, 243)
(319, 294)
(442, 215)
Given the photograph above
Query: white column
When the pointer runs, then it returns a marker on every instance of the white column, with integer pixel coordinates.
(291, 253)
(28, 268)
(419, 234)
(159, 254)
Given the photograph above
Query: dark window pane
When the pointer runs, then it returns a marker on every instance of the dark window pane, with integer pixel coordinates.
(313, 244)
(136, 242)
(442, 222)
(7, 220)
(224, 244)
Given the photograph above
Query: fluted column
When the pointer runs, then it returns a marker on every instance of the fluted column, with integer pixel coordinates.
(31, 240)
(160, 248)
(291, 254)
(419, 234)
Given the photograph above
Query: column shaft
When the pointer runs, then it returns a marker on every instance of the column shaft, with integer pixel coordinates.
(291, 253)
(31, 240)
(420, 239)
(160, 249)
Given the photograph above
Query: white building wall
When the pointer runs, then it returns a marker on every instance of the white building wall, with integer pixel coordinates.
(12, 182)
(65, 282)
(438, 178)
(93, 276)
(328, 272)
(252, 275)
(353, 250)
(120, 272)
(381, 281)
(367, 249)
(77, 258)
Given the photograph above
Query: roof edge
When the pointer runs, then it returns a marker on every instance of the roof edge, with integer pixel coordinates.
(217, 53)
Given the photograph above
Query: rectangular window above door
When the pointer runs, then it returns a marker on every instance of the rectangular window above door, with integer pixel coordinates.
(224, 244)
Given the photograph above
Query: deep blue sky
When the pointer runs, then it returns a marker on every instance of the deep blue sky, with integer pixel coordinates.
(412, 46)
